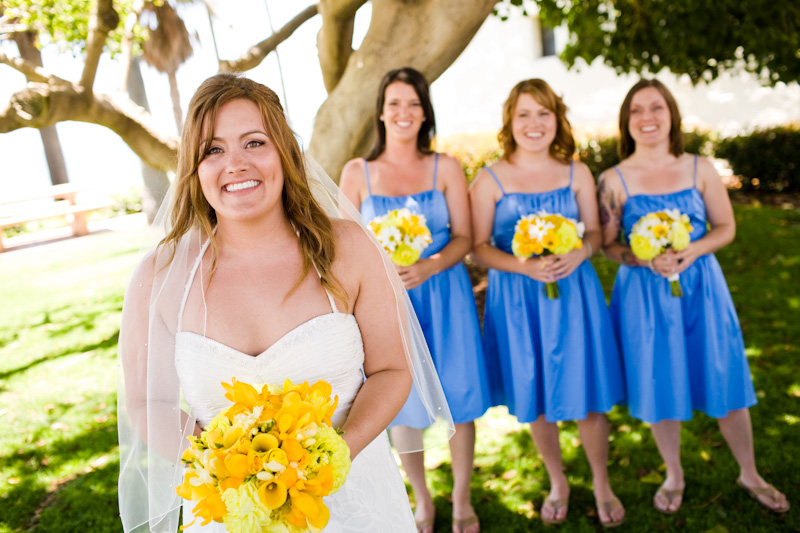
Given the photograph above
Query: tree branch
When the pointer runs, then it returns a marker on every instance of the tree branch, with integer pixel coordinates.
(335, 39)
(40, 105)
(103, 20)
(256, 54)
(31, 71)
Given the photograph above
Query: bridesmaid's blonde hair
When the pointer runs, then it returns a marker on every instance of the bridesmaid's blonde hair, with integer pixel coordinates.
(563, 146)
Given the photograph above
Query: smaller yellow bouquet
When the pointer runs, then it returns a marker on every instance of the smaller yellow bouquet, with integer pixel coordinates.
(546, 234)
(402, 234)
(655, 232)
(265, 463)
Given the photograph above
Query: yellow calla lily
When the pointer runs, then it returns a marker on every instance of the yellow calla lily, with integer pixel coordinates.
(232, 436)
(272, 493)
(264, 442)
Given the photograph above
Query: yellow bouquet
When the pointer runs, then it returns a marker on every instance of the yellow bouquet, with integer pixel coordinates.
(265, 464)
(655, 232)
(402, 234)
(546, 234)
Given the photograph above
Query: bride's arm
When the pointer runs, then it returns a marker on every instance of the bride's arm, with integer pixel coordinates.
(361, 269)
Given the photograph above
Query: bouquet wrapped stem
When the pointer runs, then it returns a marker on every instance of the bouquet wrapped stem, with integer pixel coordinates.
(675, 286)
(551, 290)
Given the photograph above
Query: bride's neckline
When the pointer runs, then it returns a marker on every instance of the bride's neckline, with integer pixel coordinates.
(286, 337)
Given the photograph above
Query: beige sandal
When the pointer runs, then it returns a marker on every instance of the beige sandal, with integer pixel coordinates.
(423, 525)
(670, 495)
(556, 505)
(461, 524)
(769, 492)
(609, 507)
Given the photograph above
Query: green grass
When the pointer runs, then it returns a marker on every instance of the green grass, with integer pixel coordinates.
(59, 323)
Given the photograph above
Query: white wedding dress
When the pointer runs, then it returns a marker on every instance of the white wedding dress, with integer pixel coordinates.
(329, 347)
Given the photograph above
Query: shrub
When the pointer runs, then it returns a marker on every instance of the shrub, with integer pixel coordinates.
(473, 150)
(766, 160)
(600, 153)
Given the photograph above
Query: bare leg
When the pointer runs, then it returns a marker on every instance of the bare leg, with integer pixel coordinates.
(405, 437)
(594, 436)
(462, 449)
(738, 432)
(667, 434)
(545, 436)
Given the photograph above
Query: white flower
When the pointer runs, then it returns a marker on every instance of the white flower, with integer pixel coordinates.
(389, 237)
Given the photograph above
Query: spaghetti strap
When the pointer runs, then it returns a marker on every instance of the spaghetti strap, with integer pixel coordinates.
(435, 169)
(571, 171)
(330, 298)
(694, 179)
(366, 172)
(624, 186)
(496, 180)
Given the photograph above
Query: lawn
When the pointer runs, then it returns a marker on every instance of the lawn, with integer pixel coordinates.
(59, 324)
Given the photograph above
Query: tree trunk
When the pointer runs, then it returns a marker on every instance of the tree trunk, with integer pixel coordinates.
(425, 34)
(175, 95)
(155, 181)
(26, 42)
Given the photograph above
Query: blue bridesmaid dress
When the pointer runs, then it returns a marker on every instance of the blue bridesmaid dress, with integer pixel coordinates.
(680, 354)
(445, 307)
(553, 357)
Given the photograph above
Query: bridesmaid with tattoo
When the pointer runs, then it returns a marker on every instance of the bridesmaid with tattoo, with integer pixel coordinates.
(681, 354)
(549, 360)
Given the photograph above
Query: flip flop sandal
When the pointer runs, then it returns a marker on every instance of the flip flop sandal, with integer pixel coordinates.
(670, 495)
(422, 525)
(769, 492)
(556, 505)
(609, 507)
(463, 523)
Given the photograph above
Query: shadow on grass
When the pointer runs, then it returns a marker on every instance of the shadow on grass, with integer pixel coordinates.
(107, 343)
(37, 463)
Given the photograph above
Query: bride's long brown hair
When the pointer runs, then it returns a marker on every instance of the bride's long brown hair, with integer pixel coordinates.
(190, 209)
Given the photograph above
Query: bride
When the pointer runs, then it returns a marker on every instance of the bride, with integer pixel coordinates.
(255, 281)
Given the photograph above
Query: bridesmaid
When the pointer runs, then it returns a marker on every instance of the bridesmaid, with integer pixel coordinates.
(553, 359)
(402, 171)
(680, 354)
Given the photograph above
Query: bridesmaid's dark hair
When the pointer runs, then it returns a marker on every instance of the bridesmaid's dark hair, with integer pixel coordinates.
(626, 143)
(415, 79)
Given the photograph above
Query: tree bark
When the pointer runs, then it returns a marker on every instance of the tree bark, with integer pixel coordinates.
(56, 166)
(335, 39)
(103, 21)
(41, 105)
(425, 34)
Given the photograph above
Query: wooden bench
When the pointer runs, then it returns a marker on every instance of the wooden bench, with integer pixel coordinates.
(68, 200)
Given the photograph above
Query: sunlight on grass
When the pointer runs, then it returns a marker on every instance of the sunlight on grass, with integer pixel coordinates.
(59, 325)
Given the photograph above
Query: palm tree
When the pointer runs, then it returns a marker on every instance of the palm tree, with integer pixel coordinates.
(167, 48)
